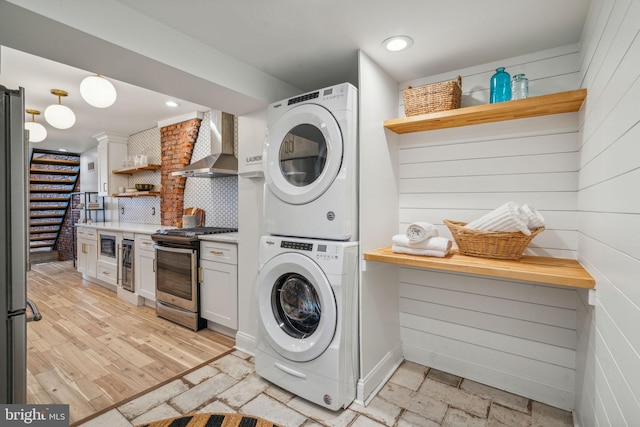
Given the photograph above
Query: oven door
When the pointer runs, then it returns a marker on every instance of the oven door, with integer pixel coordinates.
(176, 277)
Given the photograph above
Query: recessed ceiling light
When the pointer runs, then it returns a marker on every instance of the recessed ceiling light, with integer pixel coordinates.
(171, 104)
(397, 43)
(64, 150)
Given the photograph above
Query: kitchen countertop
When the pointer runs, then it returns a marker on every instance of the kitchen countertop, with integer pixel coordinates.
(223, 237)
(152, 228)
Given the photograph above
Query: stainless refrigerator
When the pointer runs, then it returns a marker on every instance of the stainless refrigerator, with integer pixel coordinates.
(14, 255)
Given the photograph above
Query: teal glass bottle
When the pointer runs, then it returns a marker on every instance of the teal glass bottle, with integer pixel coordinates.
(500, 89)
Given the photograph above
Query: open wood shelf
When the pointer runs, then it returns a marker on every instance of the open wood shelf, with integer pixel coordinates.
(138, 194)
(557, 103)
(546, 270)
(136, 169)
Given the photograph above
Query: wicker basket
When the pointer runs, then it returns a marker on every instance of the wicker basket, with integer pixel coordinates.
(490, 244)
(434, 97)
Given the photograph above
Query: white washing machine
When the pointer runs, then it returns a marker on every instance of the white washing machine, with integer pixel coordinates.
(307, 304)
(309, 162)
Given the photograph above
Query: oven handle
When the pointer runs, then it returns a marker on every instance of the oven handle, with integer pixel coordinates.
(174, 250)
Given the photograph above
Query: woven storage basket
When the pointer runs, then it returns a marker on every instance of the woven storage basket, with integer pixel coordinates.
(490, 244)
(434, 97)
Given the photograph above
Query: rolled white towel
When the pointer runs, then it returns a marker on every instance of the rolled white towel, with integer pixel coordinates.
(432, 243)
(419, 231)
(507, 217)
(534, 218)
(414, 251)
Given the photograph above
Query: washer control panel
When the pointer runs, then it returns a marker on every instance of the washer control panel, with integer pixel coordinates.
(321, 251)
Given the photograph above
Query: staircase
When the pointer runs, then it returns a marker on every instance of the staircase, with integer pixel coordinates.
(53, 176)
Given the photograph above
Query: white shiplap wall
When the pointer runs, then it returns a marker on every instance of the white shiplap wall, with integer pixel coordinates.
(608, 373)
(516, 336)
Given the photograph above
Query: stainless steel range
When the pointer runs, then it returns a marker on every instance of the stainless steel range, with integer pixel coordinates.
(177, 274)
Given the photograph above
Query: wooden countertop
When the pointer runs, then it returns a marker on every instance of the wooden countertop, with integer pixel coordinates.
(547, 270)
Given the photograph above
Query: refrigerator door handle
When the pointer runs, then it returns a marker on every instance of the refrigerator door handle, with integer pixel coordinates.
(34, 309)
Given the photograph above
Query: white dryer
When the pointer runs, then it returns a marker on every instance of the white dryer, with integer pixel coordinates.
(307, 306)
(309, 162)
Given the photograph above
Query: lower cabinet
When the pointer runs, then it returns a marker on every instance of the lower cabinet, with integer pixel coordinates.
(87, 247)
(219, 283)
(108, 272)
(145, 266)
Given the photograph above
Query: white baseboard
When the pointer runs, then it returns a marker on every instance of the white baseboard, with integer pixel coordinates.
(245, 343)
(369, 386)
(221, 329)
(130, 297)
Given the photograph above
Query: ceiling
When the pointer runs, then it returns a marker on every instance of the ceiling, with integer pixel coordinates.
(301, 45)
(135, 110)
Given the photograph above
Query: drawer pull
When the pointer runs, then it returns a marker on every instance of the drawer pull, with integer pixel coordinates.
(216, 252)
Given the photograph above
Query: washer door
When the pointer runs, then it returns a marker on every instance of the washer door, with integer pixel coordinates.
(303, 154)
(296, 307)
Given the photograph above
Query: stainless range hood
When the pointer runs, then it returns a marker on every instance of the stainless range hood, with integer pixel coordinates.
(221, 162)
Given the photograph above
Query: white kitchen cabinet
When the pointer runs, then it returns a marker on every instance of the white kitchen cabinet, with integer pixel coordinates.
(108, 272)
(109, 256)
(112, 150)
(219, 283)
(87, 246)
(145, 266)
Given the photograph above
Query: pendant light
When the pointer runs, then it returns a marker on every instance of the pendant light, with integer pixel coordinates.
(37, 132)
(98, 91)
(57, 115)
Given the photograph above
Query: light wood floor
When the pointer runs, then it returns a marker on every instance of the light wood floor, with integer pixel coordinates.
(92, 350)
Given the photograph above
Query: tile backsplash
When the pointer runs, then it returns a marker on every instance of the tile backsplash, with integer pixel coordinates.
(217, 196)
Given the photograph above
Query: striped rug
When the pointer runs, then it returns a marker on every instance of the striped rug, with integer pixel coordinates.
(212, 420)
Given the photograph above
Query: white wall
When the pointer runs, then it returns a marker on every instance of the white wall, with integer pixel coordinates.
(380, 351)
(608, 373)
(515, 336)
(89, 178)
(251, 135)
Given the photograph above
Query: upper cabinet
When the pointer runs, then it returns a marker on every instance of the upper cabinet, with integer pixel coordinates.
(112, 149)
(563, 102)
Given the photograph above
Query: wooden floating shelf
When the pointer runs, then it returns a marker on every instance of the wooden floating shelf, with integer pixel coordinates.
(546, 270)
(136, 169)
(138, 194)
(557, 103)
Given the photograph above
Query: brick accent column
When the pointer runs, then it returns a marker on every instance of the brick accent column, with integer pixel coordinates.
(176, 144)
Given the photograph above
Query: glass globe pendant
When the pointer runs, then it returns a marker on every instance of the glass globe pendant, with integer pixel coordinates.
(37, 132)
(98, 91)
(57, 115)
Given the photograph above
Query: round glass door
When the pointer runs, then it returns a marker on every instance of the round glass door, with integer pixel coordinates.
(296, 307)
(303, 154)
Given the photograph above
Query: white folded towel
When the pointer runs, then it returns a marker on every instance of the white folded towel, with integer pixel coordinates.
(433, 243)
(534, 218)
(419, 231)
(508, 217)
(413, 251)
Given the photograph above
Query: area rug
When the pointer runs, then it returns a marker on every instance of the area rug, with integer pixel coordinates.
(212, 420)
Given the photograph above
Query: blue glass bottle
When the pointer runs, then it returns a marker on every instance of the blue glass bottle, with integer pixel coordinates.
(500, 90)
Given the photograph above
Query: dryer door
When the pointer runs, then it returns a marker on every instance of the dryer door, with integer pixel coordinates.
(303, 154)
(296, 307)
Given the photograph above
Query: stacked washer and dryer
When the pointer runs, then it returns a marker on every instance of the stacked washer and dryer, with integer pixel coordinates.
(307, 286)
